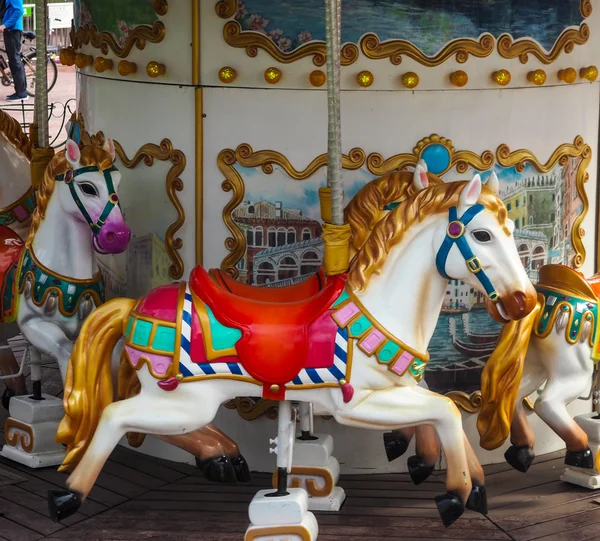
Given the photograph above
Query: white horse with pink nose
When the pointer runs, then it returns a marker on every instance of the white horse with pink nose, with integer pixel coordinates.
(77, 216)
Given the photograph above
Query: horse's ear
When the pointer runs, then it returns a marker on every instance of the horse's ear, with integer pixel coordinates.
(493, 183)
(423, 164)
(420, 180)
(73, 153)
(470, 194)
(109, 146)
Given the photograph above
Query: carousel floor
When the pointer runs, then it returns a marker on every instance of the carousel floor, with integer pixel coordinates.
(138, 497)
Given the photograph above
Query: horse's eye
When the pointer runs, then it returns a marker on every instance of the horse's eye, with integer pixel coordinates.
(88, 189)
(482, 236)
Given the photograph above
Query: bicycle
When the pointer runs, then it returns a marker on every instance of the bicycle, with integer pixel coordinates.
(29, 62)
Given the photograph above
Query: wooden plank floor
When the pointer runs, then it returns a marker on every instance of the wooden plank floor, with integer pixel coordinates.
(138, 497)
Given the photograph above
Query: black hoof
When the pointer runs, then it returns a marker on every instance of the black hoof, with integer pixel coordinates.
(395, 445)
(418, 470)
(218, 470)
(478, 500)
(8, 394)
(62, 504)
(520, 458)
(450, 507)
(580, 459)
(242, 471)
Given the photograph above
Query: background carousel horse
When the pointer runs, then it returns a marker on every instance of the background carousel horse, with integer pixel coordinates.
(210, 345)
(555, 346)
(16, 208)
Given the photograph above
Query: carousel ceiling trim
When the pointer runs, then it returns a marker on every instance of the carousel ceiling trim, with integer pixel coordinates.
(522, 48)
(164, 152)
(396, 49)
(88, 34)
(578, 149)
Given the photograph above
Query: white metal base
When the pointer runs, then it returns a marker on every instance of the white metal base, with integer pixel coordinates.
(316, 470)
(580, 476)
(30, 432)
(285, 518)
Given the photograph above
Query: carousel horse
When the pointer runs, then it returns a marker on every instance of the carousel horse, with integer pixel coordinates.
(51, 281)
(356, 348)
(556, 346)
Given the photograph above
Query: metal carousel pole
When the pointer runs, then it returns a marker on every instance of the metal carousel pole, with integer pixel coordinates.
(42, 152)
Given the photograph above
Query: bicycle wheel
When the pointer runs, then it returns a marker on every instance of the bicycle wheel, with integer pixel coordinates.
(30, 62)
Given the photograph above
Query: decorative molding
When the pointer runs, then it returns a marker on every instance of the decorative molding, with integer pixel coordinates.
(17, 433)
(266, 160)
(395, 49)
(164, 152)
(105, 41)
(251, 409)
(522, 48)
(519, 159)
(471, 403)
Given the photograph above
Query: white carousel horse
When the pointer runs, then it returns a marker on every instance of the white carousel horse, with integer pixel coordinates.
(555, 346)
(364, 336)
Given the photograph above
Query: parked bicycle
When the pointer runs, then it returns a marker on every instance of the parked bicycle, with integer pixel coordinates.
(29, 62)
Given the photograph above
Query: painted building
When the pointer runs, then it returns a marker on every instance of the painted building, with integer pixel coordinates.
(458, 296)
(147, 265)
(267, 226)
(115, 286)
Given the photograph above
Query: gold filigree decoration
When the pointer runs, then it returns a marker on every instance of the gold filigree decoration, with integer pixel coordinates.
(17, 433)
(253, 41)
(395, 49)
(522, 48)
(460, 160)
(250, 409)
(266, 160)
(520, 158)
(165, 153)
(105, 41)
(467, 402)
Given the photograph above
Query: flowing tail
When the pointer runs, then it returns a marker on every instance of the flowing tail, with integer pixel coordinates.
(501, 379)
(89, 389)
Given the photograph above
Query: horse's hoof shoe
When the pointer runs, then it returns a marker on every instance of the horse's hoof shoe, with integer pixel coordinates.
(242, 471)
(395, 445)
(580, 459)
(450, 507)
(62, 504)
(478, 500)
(418, 470)
(218, 469)
(6, 396)
(520, 458)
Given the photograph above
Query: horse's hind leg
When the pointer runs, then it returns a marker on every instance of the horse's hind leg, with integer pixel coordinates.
(422, 465)
(396, 442)
(217, 455)
(520, 454)
(173, 414)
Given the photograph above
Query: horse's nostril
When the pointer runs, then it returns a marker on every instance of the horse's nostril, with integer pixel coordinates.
(110, 238)
(521, 300)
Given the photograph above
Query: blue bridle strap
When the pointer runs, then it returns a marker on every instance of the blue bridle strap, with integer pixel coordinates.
(455, 234)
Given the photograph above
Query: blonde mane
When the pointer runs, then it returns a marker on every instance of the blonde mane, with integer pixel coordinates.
(91, 154)
(366, 207)
(11, 129)
(390, 229)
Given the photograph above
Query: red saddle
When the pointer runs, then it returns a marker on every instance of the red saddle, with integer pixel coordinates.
(275, 340)
(11, 246)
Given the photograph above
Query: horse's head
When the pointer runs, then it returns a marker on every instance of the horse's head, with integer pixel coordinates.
(476, 245)
(88, 193)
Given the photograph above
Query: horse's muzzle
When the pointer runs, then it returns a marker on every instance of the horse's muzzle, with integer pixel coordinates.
(514, 306)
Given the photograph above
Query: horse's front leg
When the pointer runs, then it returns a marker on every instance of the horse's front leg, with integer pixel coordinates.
(49, 339)
(399, 407)
(217, 455)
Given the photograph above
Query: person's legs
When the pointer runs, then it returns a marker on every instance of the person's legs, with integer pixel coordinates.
(12, 41)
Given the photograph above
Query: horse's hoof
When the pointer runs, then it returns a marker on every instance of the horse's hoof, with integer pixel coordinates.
(450, 507)
(580, 459)
(242, 471)
(478, 500)
(62, 504)
(8, 394)
(218, 469)
(520, 458)
(395, 445)
(418, 470)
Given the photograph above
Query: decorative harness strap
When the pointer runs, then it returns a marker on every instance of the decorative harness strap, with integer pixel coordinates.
(456, 234)
(113, 198)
